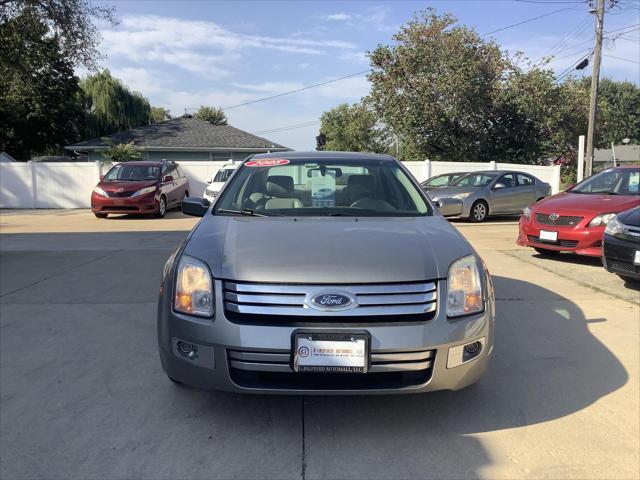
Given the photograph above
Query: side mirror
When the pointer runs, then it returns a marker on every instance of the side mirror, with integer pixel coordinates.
(168, 178)
(209, 182)
(195, 206)
(101, 177)
(437, 204)
(498, 186)
(569, 187)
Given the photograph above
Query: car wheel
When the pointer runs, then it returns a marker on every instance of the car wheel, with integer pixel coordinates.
(479, 211)
(547, 252)
(162, 207)
(101, 215)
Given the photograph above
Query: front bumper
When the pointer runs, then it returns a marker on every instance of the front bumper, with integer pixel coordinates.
(221, 343)
(580, 239)
(140, 205)
(618, 255)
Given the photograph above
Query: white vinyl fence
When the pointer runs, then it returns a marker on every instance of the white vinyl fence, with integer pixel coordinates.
(69, 185)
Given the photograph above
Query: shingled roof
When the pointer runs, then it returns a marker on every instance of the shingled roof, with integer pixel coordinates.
(183, 133)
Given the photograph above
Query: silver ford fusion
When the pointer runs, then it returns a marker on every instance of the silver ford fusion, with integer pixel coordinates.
(324, 272)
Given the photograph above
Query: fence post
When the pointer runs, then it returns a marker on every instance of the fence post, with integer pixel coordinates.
(492, 165)
(555, 188)
(34, 185)
(580, 158)
(427, 169)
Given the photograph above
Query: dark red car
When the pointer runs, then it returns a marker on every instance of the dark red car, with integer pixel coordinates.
(140, 188)
(574, 220)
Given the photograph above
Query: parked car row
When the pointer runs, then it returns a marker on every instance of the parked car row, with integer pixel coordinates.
(599, 217)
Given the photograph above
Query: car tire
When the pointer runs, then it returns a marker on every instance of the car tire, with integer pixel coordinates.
(546, 252)
(162, 207)
(101, 215)
(479, 211)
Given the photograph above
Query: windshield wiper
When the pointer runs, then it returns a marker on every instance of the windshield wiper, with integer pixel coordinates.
(245, 211)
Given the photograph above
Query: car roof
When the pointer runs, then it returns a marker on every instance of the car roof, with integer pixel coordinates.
(146, 163)
(324, 156)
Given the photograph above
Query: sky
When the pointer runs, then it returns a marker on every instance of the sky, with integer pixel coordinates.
(181, 54)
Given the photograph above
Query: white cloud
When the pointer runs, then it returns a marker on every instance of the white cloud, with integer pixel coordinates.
(341, 17)
(199, 46)
(354, 57)
(140, 80)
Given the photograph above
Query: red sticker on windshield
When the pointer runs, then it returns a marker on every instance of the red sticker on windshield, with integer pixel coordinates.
(267, 162)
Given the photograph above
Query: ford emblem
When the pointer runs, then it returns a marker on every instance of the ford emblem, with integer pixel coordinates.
(330, 301)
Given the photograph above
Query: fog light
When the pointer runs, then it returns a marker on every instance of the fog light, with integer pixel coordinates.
(472, 347)
(187, 349)
(461, 354)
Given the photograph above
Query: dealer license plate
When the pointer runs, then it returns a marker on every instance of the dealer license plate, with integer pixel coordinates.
(636, 257)
(331, 353)
(548, 236)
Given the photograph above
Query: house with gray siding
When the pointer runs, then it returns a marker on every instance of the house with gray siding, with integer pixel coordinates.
(182, 138)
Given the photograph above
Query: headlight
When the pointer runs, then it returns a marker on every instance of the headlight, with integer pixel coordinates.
(194, 288)
(461, 196)
(614, 227)
(100, 192)
(464, 290)
(526, 213)
(142, 191)
(601, 219)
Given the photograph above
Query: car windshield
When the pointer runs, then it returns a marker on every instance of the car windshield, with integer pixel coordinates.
(223, 174)
(322, 187)
(132, 173)
(442, 180)
(474, 180)
(611, 182)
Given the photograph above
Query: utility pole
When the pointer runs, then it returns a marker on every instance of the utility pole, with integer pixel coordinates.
(595, 78)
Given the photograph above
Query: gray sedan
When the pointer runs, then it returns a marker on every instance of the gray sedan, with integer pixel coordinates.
(492, 192)
(365, 290)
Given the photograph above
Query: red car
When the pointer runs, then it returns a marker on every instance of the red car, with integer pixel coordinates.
(140, 188)
(574, 220)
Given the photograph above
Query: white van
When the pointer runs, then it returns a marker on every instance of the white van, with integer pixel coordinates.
(216, 183)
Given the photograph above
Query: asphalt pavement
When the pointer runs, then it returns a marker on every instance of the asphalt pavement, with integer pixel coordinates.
(83, 396)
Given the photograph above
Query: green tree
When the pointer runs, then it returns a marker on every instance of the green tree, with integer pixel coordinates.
(39, 111)
(160, 114)
(619, 109)
(111, 107)
(72, 20)
(354, 128)
(121, 152)
(436, 87)
(213, 115)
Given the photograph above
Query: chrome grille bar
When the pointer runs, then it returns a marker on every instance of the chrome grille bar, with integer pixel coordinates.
(370, 300)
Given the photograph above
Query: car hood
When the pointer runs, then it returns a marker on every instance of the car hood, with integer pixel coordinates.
(327, 250)
(447, 192)
(567, 202)
(125, 186)
(630, 217)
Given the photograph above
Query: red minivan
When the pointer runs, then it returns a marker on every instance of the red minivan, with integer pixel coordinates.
(140, 188)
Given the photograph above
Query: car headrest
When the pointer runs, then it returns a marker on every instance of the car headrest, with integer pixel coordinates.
(364, 182)
(280, 186)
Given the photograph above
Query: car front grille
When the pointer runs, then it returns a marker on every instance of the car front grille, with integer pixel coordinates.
(120, 194)
(559, 243)
(276, 303)
(561, 221)
(271, 369)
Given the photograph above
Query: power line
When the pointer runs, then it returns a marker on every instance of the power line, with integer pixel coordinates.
(367, 71)
(565, 41)
(296, 90)
(288, 127)
(526, 21)
(621, 58)
(573, 65)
